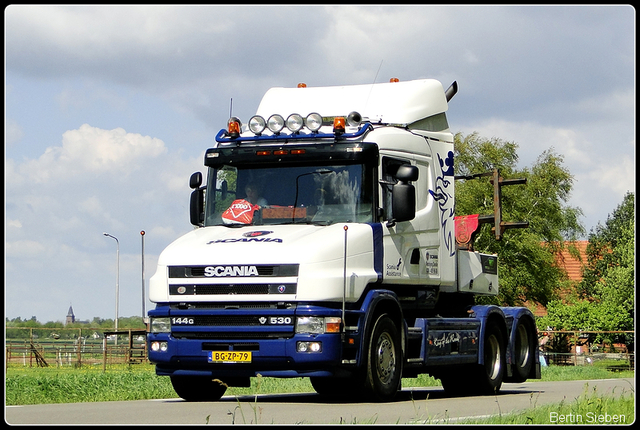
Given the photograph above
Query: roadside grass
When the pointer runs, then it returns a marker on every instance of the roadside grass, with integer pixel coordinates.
(590, 408)
(38, 385)
(30, 386)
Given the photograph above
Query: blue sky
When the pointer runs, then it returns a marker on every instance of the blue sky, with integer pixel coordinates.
(109, 109)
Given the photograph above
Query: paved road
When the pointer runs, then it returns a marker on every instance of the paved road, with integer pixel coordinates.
(418, 405)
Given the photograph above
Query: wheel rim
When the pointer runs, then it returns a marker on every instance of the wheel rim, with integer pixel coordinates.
(385, 358)
(522, 346)
(492, 357)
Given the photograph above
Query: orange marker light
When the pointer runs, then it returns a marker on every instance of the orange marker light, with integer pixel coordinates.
(332, 326)
(302, 85)
(234, 127)
(394, 80)
(339, 124)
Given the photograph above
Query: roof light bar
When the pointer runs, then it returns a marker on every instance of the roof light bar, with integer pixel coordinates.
(295, 123)
(223, 136)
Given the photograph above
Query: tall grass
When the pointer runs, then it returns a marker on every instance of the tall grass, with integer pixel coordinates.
(31, 386)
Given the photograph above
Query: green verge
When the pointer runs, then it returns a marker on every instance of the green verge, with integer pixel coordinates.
(30, 386)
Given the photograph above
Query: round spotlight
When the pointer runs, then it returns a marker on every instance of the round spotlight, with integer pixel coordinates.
(275, 123)
(295, 122)
(313, 122)
(257, 124)
(354, 119)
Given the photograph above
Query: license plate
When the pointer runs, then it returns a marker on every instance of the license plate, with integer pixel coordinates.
(230, 357)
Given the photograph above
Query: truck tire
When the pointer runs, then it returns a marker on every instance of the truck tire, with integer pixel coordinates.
(384, 360)
(490, 374)
(524, 350)
(197, 389)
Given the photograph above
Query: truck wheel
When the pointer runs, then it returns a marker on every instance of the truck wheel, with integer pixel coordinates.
(489, 375)
(524, 350)
(197, 389)
(384, 360)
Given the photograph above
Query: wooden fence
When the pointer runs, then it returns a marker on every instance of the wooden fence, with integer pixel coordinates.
(76, 347)
(579, 348)
(94, 347)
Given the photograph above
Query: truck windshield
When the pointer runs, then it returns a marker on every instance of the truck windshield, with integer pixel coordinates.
(316, 194)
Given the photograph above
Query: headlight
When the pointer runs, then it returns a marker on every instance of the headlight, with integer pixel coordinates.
(160, 325)
(310, 325)
(318, 325)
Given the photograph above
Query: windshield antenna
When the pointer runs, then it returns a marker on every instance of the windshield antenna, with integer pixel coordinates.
(231, 108)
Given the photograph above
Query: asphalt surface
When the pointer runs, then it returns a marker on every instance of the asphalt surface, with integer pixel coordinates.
(412, 406)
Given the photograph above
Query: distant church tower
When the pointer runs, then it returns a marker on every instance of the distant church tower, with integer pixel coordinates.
(71, 318)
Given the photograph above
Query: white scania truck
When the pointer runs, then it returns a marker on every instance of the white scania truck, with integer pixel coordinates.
(325, 247)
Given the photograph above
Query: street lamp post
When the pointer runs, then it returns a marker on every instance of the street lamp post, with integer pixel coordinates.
(117, 277)
(143, 303)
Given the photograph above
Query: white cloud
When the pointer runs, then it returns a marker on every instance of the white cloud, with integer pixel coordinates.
(15, 223)
(24, 249)
(90, 150)
(13, 132)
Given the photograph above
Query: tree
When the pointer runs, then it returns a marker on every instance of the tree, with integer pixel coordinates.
(527, 264)
(604, 299)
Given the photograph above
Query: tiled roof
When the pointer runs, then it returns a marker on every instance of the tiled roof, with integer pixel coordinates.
(571, 265)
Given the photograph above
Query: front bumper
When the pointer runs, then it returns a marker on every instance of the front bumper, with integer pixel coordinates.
(272, 348)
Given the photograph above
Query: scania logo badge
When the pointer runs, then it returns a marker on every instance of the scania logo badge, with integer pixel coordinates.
(262, 320)
(256, 233)
(281, 289)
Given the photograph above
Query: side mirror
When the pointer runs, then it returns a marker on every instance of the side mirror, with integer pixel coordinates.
(407, 173)
(196, 204)
(403, 195)
(195, 180)
(196, 207)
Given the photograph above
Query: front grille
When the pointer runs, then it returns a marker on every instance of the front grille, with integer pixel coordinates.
(233, 305)
(228, 320)
(228, 335)
(231, 289)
